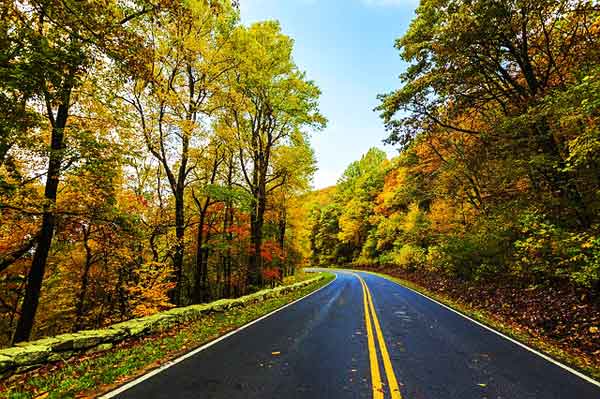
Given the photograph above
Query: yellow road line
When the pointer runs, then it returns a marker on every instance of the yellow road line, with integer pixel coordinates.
(387, 363)
(375, 375)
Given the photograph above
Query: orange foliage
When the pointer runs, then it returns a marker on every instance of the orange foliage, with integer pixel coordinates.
(271, 275)
(270, 250)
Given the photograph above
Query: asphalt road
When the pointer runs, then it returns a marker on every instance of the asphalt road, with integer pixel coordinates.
(324, 347)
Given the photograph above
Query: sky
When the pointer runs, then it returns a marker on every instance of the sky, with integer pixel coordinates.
(347, 48)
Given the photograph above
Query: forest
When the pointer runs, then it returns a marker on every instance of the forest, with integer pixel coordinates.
(494, 197)
(152, 154)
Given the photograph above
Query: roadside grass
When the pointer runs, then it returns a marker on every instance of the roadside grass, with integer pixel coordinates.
(94, 374)
(579, 362)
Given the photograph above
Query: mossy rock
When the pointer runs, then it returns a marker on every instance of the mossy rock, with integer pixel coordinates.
(236, 303)
(133, 327)
(6, 363)
(220, 305)
(87, 339)
(181, 313)
(100, 348)
(188, 313)
(26, 355)
(130, 327)
(60, 356)
(43, 342)
(144, 325)
(157, 321)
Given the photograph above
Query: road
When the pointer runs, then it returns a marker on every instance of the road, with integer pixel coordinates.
(324, 346)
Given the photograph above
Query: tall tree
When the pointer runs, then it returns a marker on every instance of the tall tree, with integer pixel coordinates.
(174, 100)
(497, 60)
(270, 100)
(63, 40)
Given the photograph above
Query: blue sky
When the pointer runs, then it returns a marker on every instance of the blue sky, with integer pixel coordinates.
(346, 47)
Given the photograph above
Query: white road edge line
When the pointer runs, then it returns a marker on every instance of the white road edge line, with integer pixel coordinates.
(173, 362)
(514, 341)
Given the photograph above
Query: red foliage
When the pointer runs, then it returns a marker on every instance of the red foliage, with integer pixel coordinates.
(270, 250)
(271, 274)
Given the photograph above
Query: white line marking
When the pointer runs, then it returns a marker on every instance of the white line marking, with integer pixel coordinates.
(173, 362)
(522, 345)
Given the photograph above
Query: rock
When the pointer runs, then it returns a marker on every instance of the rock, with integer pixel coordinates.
(88, 338)
(60, 356)
(100, 348)
(54, 343)
(236, 303)
(6, 363)
(220, 305)
(26, 355)
(132, 327)
(156, 322)
(144, 325)
(188, 313)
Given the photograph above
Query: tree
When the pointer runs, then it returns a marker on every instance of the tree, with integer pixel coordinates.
(172, 100)
(149, 153)
(60, 39)
(497, 60)
(270, 101)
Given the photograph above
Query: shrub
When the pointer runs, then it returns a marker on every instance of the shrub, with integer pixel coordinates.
(409, 256)
(547, 251)
(479, 253)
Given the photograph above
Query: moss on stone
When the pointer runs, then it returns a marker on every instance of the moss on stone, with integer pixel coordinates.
(25, 355)
(6, 363)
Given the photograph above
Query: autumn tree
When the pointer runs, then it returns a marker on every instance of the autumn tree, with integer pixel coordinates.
(174, 98)
(60, 43)
(499, 61)
(270, 101)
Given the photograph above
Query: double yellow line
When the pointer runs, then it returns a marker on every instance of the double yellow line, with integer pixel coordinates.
(376, 381)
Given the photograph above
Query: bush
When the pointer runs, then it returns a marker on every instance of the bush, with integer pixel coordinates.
(409, 257)
(474, 255)
(547, 251)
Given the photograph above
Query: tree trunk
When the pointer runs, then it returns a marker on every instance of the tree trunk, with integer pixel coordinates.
(282, 225)
(198, 288)
(85, 278)
(201, 293)
(40, 257)
(256, 238)
(227, 224)
(560, 180)
(179, 245)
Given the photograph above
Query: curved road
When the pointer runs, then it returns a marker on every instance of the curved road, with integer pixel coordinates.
(363, 336)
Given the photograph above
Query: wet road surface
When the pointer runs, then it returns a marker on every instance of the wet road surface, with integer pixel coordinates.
(363, 336)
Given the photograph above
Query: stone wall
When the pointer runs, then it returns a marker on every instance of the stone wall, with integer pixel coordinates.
(26, 356)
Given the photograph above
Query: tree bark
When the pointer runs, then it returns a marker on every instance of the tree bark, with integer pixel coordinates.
(85, 278)
(179, 245)
(201, 276)
(256, 238)
(40, 257)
